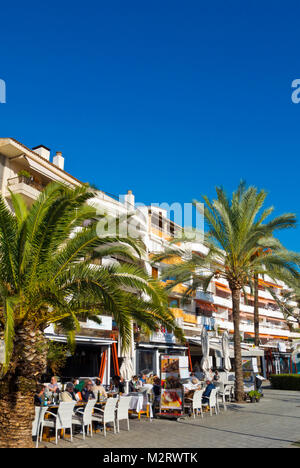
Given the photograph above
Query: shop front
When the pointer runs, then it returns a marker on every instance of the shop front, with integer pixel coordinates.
(279, 359)
(94, 354)
(148, 353)
(92, 358)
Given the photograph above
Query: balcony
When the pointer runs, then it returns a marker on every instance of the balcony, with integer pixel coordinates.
(204, 296)
(184, 316)
(264, 328)
(24, 186)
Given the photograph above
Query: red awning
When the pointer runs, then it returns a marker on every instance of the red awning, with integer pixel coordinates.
(206, 305)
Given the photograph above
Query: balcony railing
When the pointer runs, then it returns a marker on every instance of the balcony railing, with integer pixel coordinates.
(204, 295)
(25, 180)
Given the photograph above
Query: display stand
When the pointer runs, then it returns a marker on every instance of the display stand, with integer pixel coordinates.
(172, 369)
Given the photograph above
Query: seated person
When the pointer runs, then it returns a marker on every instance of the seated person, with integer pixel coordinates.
(206, 394)
(39, 395)
(216, 376)
(87, 392)
(98, 389)
(133, 384)
(53, 387)
(69, 393)
(78, 386)
(142, 380)
(118, 383)
(193, 377)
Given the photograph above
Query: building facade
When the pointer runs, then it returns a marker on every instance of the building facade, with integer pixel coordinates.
(27, 171)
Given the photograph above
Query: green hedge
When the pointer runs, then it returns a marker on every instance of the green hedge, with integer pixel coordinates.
(285, 381)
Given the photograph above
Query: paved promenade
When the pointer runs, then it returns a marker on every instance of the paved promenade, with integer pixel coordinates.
(272, 423)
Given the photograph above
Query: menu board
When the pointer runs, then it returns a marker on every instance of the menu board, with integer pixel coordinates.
(171, 399)
(173, 369)
(249, 369)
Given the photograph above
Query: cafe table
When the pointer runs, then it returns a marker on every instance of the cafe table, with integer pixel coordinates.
(139, 405)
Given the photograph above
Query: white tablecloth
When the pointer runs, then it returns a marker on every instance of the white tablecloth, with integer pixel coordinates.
(136, 403)
(139, 403)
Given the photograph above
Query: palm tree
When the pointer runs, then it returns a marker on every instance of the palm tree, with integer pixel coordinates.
(289, 302)
(47, 277)
(236, 232)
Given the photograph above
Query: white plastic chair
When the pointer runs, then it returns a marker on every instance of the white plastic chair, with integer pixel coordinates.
(229, 391)
(83, 417)
(221, 395)
(123, 411)
(108, 414)
(63, 418)
(37, 423)
(212, 401)
(197, 402)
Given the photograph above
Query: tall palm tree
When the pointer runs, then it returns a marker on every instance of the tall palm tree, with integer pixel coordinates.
(46, 277)
(236, 232)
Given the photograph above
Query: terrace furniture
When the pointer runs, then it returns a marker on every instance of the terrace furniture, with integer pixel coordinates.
(140, 404)
(196, 402)
(212, 401)
(63, 418)
(83, 417)
(107, 415)
(123, 411)
(37, 423)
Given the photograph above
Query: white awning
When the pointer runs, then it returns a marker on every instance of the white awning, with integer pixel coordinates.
(42, 170)
(217, 347)
(81, 339)
(250, 352)
(160, 346)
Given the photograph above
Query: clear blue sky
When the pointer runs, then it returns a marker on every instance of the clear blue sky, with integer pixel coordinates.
(166, 98)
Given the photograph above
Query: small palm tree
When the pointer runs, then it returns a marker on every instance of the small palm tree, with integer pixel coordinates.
(236, 233)
(46, 277)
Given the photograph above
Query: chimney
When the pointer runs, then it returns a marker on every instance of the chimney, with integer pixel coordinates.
(58, 160)
(42, 151)
(129, 200)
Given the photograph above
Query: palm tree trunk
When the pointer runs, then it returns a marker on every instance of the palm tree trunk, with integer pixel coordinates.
(239, 382)
(18, 386)
(256, 312)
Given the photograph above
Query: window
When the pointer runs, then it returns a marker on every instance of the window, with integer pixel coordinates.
(174, 303)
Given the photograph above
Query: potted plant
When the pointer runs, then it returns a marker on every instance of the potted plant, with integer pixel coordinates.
(254, 396)
(24, 175)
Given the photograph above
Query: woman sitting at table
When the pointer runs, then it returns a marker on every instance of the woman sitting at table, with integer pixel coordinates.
(119, 384)
(98, 389)
(39, 395)
(69, 393)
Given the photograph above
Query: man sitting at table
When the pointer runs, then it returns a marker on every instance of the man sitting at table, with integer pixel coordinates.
(53, 386)
(133, 384)
(98, 389)
(69, 393)
(206, 394)
(87, 392)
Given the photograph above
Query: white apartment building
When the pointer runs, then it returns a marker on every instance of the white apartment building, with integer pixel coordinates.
(27, 171)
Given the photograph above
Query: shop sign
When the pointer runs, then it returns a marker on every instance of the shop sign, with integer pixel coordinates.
(163, 337)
